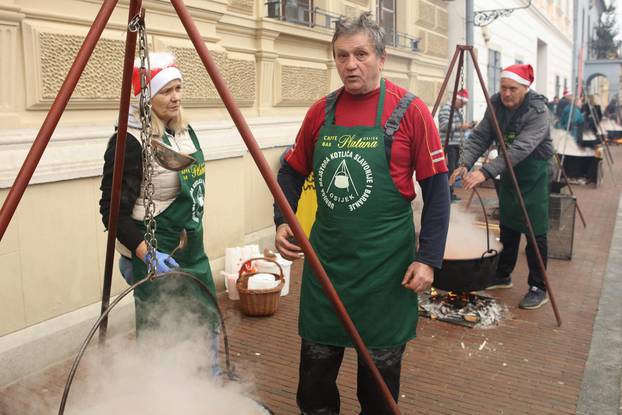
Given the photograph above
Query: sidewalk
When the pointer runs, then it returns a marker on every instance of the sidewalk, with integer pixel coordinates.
(527, 365)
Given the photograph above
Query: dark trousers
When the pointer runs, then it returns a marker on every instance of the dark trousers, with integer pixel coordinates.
(507, 259)
(317, 386)
(453, 154)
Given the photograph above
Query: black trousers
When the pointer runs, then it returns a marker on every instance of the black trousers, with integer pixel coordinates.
(317, 386)
(453, 153)
(507, 259)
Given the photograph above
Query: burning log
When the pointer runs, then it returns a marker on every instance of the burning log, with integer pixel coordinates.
(462, 308)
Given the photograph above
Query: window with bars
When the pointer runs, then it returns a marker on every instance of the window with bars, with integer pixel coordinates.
(557, 85)
(304, 12)
(386, 19)
(494, 70)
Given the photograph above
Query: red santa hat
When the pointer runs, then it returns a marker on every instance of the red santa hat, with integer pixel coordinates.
(566, 93)
(523, 74)
(463, 95)
(163, 71)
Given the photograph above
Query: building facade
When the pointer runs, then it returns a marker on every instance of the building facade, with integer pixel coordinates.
(276, 59)
(601, 77)
(540, 34)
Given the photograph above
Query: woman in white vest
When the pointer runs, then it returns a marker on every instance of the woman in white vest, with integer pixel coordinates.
(178, 199)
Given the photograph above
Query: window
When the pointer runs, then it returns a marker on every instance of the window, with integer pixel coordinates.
(557, 86)
(294, 11)
(565, 84)
(386, 19)
(494, 70)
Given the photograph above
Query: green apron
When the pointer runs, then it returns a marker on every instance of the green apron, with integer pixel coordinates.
(533, 179)
(155, 298)
(364, 236)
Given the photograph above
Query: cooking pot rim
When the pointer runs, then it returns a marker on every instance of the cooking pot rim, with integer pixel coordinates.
(485, 255)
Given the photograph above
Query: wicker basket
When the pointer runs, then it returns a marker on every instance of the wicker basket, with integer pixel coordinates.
(258, 303)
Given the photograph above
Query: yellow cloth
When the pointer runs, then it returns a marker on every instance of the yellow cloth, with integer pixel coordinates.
(307, 205)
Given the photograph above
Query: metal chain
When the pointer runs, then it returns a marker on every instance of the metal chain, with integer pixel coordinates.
(137, 24)
(461, 148)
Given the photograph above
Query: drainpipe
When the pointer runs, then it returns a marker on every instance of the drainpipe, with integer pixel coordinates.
(469, 66)
(575, 45)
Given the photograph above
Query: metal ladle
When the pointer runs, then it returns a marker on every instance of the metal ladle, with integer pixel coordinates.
(183, 241)
(169, 158)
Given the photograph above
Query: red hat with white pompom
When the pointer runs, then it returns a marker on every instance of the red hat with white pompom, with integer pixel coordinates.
(463, 94)
(163, 71)
(521, 73)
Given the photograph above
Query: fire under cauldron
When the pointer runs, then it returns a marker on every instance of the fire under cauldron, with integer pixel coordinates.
(471, 274)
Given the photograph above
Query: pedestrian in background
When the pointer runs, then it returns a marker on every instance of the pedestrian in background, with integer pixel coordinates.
(458, 129)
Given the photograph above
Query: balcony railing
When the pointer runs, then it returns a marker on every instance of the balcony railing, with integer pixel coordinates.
(318, 18)
(403, 40)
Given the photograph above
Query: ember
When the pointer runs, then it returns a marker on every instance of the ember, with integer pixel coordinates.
(462, 308)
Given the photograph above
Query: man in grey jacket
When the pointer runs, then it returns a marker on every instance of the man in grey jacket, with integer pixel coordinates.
(524, 121)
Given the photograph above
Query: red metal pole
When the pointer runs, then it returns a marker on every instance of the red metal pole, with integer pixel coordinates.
(442, 91)
(56, 111)
(508, 163)
(453, 100)
(119, 161)
(276, 191)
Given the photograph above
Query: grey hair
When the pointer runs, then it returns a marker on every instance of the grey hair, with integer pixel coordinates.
(366, 24)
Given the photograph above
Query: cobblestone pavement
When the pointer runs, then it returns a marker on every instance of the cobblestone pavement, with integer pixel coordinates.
(527, 365)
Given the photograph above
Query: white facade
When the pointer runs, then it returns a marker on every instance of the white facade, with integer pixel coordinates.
(539, 35)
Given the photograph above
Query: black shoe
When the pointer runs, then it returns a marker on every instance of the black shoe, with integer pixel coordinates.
(500, 282)
(455, 198)
(534, 298)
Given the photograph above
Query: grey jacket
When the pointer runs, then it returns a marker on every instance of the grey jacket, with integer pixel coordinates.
(530, 123)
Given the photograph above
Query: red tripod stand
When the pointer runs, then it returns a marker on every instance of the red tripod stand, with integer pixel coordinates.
(460, 51)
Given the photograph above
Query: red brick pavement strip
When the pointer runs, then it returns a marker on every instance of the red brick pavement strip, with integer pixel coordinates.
(527, 366)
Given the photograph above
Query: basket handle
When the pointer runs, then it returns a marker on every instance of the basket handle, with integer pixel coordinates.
(246, 275)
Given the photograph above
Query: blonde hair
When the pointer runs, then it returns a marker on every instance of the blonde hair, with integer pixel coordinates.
(179, 124)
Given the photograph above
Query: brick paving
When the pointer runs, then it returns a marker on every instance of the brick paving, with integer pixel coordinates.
(527, 365)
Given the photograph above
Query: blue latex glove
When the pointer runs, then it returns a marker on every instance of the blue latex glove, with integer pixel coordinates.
(164, 262)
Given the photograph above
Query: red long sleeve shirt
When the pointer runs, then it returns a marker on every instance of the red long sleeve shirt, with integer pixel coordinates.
(416, 146)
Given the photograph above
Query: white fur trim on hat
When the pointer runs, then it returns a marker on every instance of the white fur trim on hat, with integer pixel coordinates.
(163, 77)
(465, 99)
(515, 77)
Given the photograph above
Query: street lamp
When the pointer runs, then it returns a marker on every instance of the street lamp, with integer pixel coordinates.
(483, 18)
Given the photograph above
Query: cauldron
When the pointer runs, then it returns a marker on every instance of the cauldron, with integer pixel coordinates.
(472, 274)
(466, 274)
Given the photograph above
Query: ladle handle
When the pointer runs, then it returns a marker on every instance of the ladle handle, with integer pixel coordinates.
(481, 202)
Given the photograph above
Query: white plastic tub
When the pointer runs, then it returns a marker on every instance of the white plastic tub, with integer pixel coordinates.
(267, 266)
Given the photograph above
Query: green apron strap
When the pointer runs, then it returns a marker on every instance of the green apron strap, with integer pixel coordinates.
(380, 108)
(194, 138)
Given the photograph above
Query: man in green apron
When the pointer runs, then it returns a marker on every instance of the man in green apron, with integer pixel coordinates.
(363, 143)
(524, 121)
